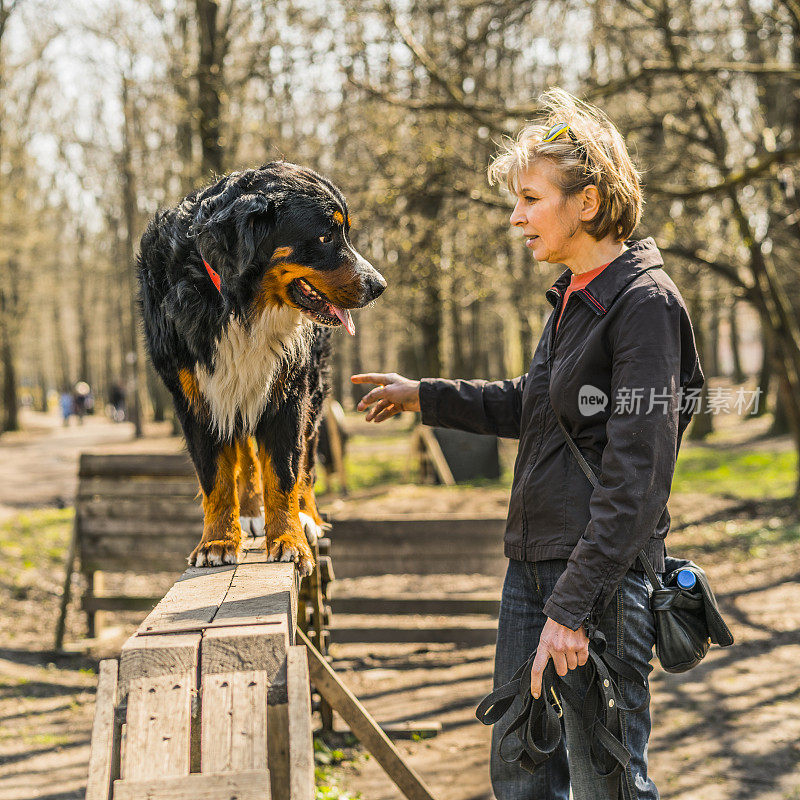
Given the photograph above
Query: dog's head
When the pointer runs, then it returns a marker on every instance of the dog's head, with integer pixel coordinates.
(279, 235)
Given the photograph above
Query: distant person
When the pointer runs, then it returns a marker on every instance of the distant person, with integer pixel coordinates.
(81, 399)
(66, 406)
(116, 398)
(619, 326)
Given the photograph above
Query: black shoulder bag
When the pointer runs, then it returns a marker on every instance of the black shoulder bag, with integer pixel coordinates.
(687, 621)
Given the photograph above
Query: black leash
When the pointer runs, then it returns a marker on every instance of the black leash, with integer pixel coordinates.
(537, 727)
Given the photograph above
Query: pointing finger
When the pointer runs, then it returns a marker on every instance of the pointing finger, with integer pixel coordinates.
(370, 377)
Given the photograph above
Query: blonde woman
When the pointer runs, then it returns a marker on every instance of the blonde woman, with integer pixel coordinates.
(614, 361)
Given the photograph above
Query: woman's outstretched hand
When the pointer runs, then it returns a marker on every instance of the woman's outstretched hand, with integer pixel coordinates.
(393, 393)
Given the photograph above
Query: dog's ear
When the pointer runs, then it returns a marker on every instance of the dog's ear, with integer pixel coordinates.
(231, 227)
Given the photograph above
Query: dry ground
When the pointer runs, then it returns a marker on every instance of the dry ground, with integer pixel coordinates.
(729, 729)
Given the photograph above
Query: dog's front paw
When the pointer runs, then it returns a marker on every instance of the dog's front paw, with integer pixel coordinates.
(252, 526)
(214, 553)
(291, 547)
(312, 530)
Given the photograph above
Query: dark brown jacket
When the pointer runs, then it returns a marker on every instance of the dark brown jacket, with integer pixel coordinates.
(626, 335)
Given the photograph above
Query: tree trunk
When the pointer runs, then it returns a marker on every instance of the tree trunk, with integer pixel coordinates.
(702, 424)
(767, 366)
(11, 419)
(209, 80)
(738, 375)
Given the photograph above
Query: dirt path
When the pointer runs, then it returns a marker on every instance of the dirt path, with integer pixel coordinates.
(729, 729)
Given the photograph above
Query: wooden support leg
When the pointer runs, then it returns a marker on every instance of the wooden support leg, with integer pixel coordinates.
(361, 723)
(66, 592)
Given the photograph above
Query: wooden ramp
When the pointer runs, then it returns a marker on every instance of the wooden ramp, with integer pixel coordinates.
(198, 706)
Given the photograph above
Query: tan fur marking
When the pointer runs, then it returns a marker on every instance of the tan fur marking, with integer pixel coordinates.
(340, 286)
(349, 221)
(251, 492)
(282, 515)
(282, 252)
(338, 217)
(308, 501)
(221, 530)
(191, 390)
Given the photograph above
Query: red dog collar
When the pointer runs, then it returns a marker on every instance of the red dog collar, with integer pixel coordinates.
(215, 279)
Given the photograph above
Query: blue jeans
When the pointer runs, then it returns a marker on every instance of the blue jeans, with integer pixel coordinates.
(630, 632)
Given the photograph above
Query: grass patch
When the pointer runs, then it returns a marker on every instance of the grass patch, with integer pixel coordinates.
(326, 758)
(34, 540)
(757, 474)
(741, 539)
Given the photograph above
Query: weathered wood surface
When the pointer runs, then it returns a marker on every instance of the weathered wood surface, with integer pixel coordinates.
(439, 605)
(162, 465)
(228, 631)
(419, 545)
(301, 744)
(104, 742)
(250, 785)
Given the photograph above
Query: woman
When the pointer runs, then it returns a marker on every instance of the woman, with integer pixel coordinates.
(614, 361)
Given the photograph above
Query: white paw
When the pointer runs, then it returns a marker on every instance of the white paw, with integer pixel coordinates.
(312, 530)
(252, 526)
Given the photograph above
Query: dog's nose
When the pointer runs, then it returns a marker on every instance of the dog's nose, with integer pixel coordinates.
(376, 283)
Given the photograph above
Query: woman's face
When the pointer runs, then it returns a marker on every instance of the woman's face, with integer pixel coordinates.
(549, 219)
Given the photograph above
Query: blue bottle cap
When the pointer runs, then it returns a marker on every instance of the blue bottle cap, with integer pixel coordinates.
(686, 579)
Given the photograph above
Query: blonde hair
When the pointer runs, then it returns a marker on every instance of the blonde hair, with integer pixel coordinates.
(596, 156)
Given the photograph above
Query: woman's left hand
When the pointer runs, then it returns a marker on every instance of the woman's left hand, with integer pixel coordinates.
(569, 650)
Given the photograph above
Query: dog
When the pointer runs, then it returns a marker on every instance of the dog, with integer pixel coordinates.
(239, 286)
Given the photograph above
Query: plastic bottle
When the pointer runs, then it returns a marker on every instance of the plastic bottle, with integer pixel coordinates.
(686, 579)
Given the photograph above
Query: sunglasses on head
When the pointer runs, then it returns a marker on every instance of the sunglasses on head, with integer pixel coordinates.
(559, 129)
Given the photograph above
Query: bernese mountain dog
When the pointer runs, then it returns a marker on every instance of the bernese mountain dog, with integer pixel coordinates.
(238, 287)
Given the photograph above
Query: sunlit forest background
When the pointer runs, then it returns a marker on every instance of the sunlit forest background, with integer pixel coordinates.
(109, 111)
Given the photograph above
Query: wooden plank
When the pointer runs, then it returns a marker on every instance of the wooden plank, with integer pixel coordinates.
(259, 591)
(330, 686)
(133, 487)
(119, 602)
(422, 528)
(149, 464)
(441, 605)
(388, 563)
(233, 727)
(194, 598)
(141, 564)
(262, 648)
(434, 452)
(301, 741)
(186, 510)
(158, 727)
(278, 748)
(105, 745)
(463, 636)
(250, 785)
(133, 528)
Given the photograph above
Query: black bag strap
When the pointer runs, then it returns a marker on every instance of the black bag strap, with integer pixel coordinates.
(589, 472)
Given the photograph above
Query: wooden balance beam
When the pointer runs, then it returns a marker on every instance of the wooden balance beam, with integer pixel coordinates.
(211, 700)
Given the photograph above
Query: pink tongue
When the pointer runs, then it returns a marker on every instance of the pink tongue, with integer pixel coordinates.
(344, 316)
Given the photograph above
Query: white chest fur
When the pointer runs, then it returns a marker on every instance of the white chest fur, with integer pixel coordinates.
(246, 363)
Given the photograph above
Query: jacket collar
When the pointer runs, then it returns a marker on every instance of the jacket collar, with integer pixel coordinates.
(603, 290)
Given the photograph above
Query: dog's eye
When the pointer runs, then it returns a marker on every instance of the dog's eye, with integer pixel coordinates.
(326, 238)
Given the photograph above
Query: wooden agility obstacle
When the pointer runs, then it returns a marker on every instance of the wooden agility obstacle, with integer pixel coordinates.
(210, 699)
